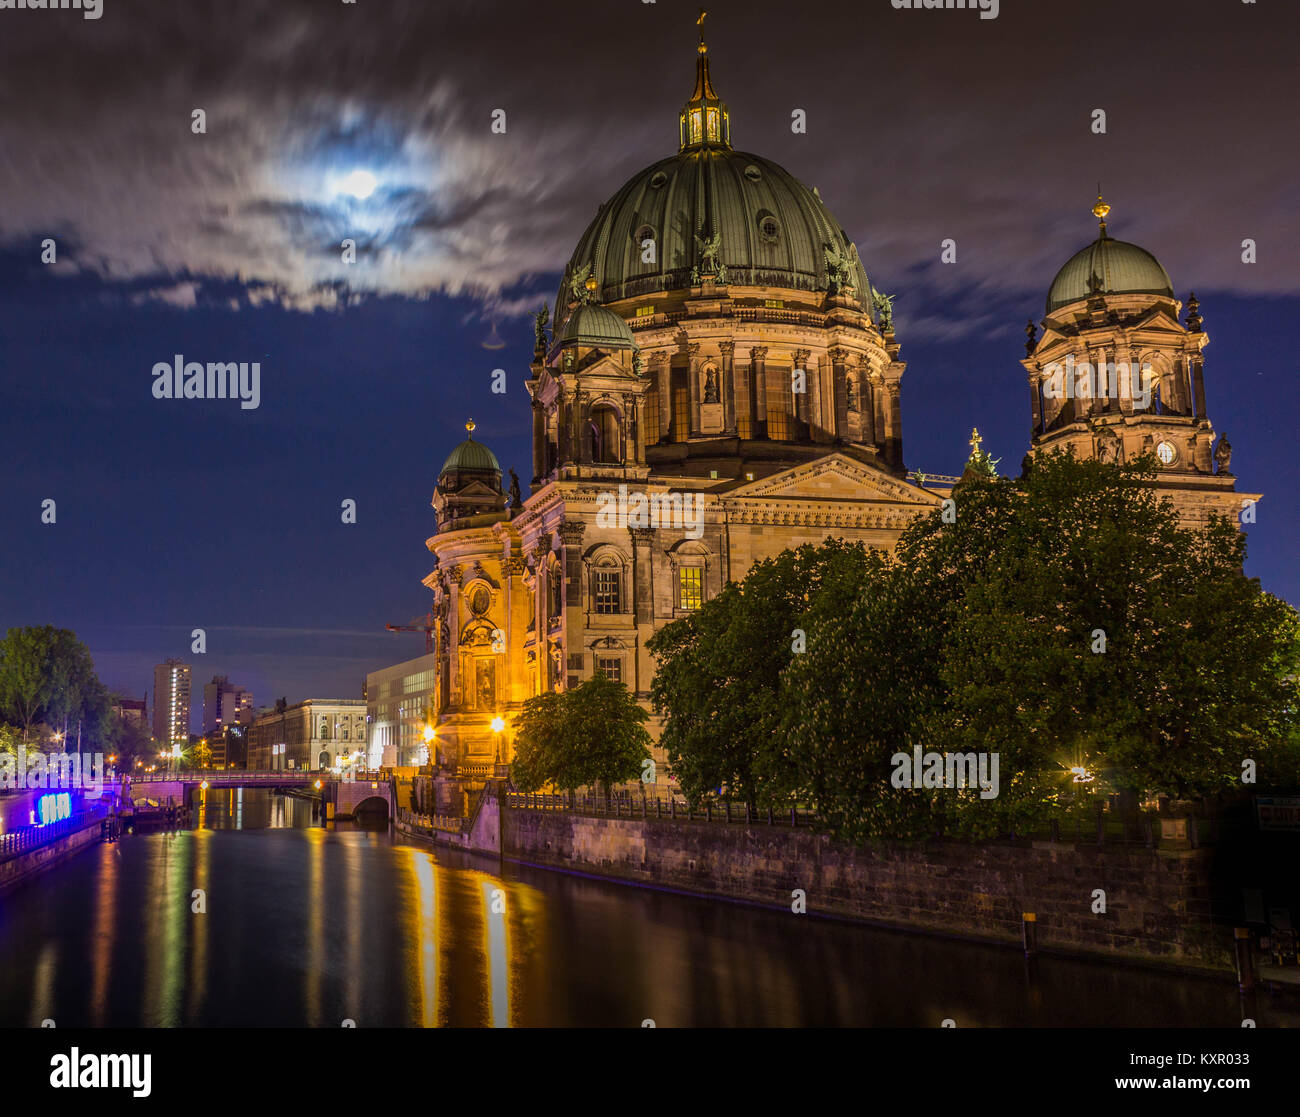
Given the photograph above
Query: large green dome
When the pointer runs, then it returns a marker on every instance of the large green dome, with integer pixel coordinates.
(774, 230)
(1111, 267)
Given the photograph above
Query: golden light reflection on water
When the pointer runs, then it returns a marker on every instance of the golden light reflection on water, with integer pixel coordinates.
(422, 932)
(315, 904)
(166, 881)
(110, 864)
(496, 937)
(198, 983)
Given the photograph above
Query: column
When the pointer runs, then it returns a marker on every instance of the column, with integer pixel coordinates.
(838, 358)
(582, 438)
(1036, 405)
(1198, 385)
(867, 402)
(758, 390)
(728, 387)
(693, 389)
(800, 402)
(894, 424)
(539, 442)
(664, 378)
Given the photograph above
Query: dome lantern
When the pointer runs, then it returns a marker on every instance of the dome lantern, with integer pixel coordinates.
(704, 121)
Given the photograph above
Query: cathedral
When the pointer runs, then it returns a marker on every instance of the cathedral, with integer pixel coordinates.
(717, 344)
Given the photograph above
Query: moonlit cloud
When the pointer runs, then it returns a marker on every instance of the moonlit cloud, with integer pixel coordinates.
(301, 98)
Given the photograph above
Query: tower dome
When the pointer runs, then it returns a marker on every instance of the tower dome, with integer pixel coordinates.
(1108, 267)
(710, 209)
(471, 457)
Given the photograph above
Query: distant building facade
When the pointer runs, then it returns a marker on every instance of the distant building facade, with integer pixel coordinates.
(315, 734)
(225, 705)
(399, 702)
(128, 709)
(171, 701)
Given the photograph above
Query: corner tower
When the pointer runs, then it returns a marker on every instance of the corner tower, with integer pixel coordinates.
(1116, 375)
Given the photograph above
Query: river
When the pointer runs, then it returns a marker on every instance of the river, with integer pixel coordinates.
(297, 925)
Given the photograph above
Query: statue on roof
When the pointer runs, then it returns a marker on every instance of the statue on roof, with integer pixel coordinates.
(884, 306)
(582, 285)
(539, 324)
(708, 247)
(1223, 456)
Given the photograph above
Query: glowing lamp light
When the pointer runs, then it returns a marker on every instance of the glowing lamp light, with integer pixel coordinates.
(428, 732)
(1082, 775)
(498, 724)
(360, 184)
(318, 785)
(204, 785)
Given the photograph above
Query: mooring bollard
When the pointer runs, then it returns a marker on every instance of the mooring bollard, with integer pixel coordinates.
(1245, 959)
(1029, 923)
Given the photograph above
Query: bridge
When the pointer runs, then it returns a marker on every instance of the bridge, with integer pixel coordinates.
(366, 791)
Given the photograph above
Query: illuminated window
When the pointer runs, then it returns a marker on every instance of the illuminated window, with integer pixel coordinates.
(712, 118)
(696, 126)
(645, 311)
(681, 406)
(744, 427)
(650, 416)
(610, 666)
(690, 587)
(774, 304)
(605, 591)
(778, 405)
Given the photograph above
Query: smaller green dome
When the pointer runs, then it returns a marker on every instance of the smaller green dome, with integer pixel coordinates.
(471, 455)
(1110, 267)
(596, 326)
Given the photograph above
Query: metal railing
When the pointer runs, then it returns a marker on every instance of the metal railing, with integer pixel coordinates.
(33, 837)
(645, 806)
(228, 778)
(448, 824)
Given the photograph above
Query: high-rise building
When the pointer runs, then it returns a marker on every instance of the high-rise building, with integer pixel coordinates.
(225, 705)
(171, 701)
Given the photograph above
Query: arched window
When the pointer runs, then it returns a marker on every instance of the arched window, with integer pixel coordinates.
(323, 761)
(324, 729)
(603, 430)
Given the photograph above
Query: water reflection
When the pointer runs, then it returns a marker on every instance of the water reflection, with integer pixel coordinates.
(307, 925)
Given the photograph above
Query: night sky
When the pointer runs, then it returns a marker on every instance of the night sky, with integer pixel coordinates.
(922, 125)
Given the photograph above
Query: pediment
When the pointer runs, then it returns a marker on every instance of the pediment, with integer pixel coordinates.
(835, 477)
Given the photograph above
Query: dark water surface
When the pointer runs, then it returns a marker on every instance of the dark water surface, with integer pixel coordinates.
(306, 926)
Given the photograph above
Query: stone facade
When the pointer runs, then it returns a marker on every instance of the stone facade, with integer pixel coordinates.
(317, 734)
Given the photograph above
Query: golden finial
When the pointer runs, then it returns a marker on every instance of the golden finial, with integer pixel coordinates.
(469, 426)
(1100, 210)
(591, 284)
(975, 441)
(700, 24)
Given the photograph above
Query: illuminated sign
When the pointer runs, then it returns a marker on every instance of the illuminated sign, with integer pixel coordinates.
(52, 808)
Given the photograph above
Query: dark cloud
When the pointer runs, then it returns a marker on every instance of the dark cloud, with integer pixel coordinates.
(922, 125)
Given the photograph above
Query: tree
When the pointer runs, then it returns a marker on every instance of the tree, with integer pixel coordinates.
(46, 674)
(718, 674)
(592, 734)
(1064, 620)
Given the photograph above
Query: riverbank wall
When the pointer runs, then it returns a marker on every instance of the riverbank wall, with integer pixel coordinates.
(19, 869)
(1148, 905)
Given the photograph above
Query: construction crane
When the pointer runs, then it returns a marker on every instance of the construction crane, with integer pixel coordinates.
(425, 624)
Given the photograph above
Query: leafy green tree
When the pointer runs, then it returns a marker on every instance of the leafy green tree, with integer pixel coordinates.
(47, 675)
(719, 669)
(986, 635)
(593, 734)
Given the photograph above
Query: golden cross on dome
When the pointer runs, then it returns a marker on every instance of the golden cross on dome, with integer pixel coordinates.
(975, 441)
(700, 24)
(469, 426)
